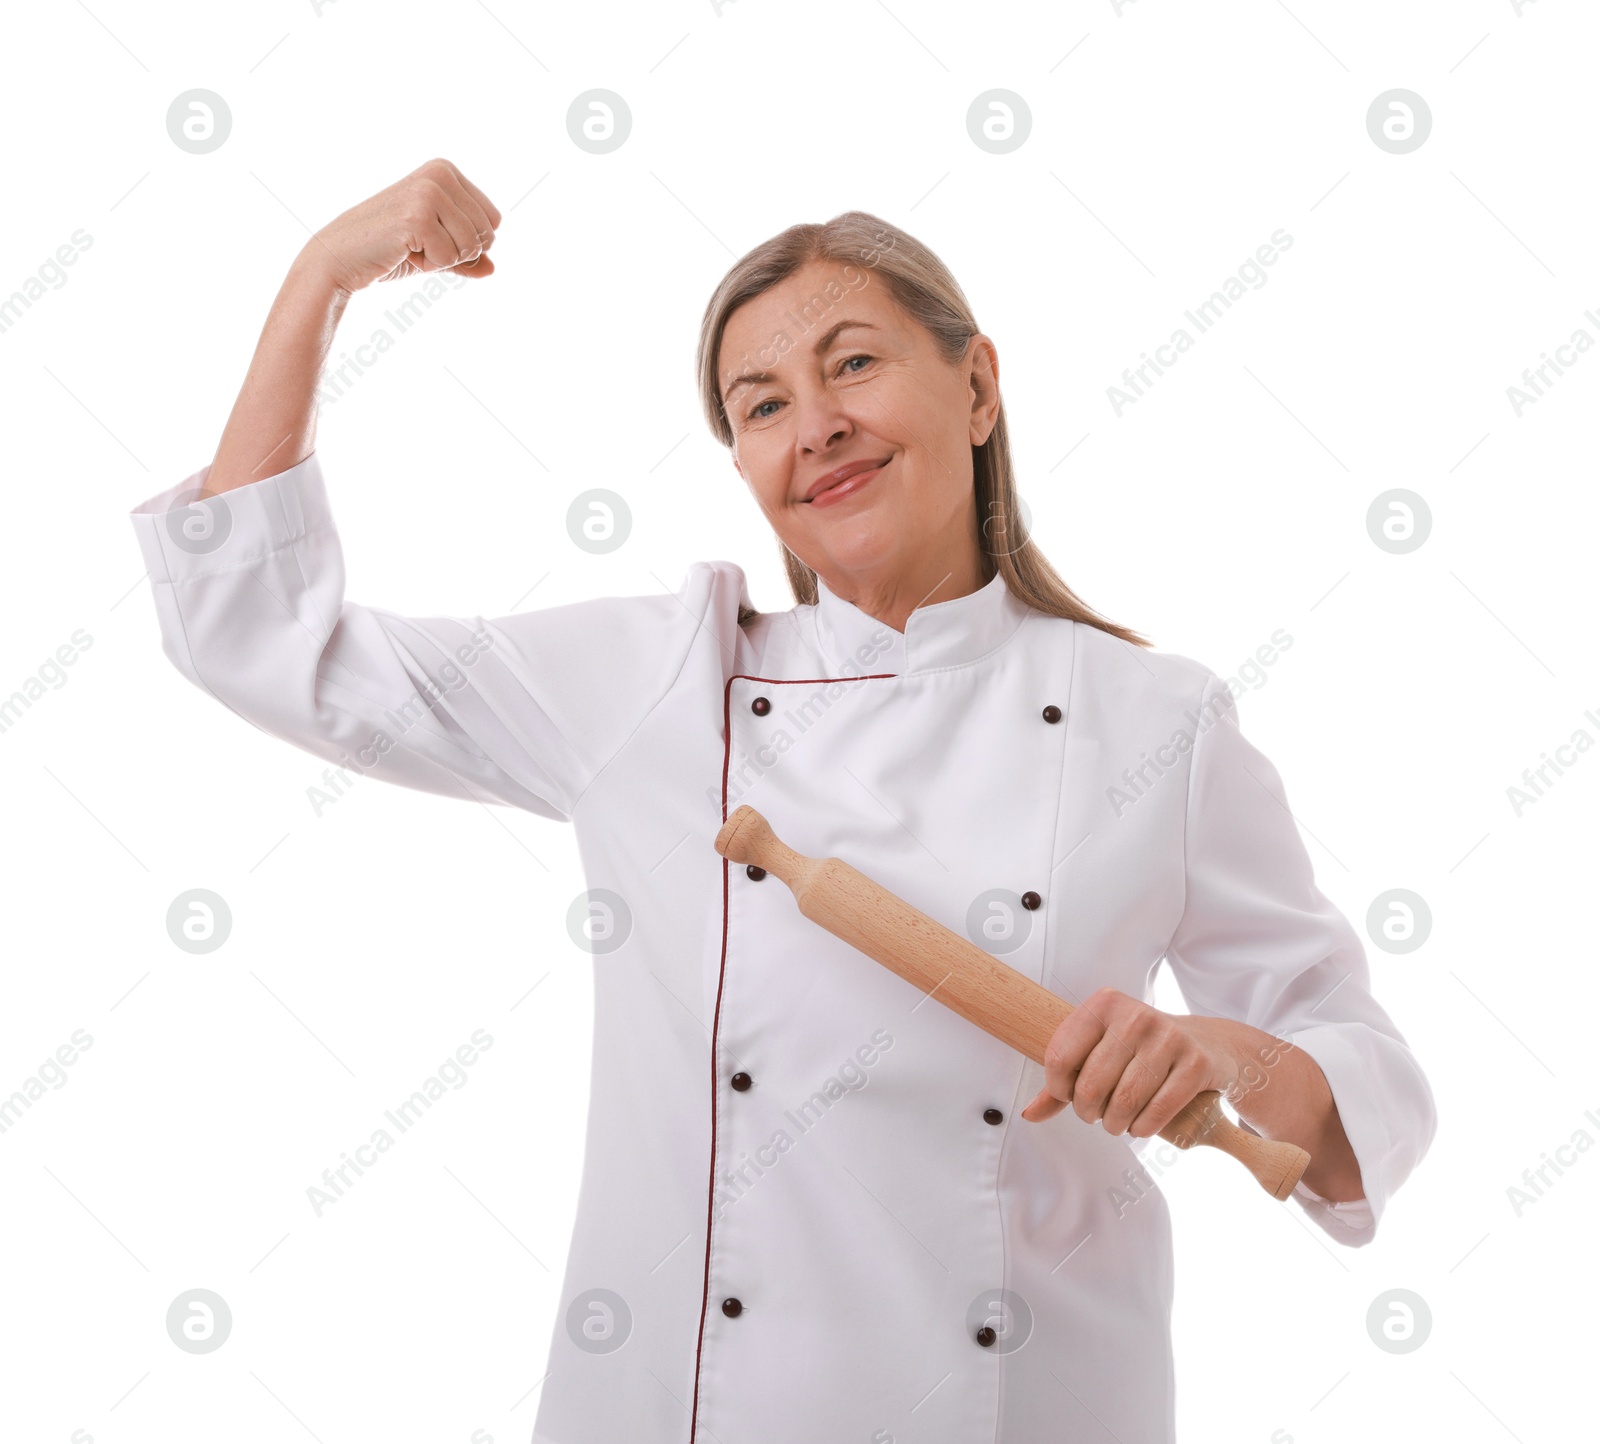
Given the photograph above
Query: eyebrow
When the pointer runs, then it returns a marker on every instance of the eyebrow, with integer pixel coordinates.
(823, 342)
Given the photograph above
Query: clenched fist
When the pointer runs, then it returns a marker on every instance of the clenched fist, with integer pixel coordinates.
(434, 219)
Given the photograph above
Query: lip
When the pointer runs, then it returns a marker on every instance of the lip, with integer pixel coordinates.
(834, 480)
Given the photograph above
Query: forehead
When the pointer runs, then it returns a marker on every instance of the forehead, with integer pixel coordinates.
(788, 319)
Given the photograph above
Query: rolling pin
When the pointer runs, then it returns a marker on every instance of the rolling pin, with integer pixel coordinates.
(972, 982)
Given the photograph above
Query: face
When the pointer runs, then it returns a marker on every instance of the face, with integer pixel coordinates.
(861, 385)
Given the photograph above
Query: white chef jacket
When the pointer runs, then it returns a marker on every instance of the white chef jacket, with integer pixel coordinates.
(805, 1183)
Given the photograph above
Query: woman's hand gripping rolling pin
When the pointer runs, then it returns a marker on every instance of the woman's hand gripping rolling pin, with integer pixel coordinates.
(1131, 1067)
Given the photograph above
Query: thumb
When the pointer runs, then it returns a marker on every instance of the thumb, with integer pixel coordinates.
(1043, 1106)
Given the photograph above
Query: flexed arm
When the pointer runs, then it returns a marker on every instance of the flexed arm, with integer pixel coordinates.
(431, 220)
(248, 578)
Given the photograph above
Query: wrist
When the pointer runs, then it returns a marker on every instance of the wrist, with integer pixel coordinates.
(316, 271)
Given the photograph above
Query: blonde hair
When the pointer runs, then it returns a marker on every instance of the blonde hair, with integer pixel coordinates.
(924, 288)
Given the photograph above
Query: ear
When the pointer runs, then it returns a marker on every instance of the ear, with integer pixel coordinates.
(983, 382)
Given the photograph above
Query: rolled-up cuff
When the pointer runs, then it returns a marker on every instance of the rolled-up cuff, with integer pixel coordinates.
(182, 538)
(1379, 1093)
(1351, 1222)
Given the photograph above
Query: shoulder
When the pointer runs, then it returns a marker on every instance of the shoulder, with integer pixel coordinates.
(720, 593)
(717, 591)
(718, 582)
(638, 632)
(1145, 678)
(705, 592)
(701, 608)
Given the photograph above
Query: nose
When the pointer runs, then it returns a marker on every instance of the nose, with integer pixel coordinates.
(821, 422)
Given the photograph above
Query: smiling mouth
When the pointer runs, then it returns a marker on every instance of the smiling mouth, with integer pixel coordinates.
(857, 479)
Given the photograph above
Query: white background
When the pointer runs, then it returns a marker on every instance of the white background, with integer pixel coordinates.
(1167, 143)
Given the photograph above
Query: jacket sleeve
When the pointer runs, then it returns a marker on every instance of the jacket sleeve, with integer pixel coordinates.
(523, 710)
(1259, 942)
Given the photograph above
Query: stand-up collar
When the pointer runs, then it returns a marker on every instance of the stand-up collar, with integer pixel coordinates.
(941, 634)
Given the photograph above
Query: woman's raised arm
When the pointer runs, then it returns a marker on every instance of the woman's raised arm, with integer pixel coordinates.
(431, 220)
(248, 578)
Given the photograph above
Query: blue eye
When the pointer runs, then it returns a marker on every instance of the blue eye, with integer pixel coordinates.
(754, 413)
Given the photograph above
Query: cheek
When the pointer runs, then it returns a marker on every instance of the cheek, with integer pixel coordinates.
(942, 424)
(902, 409)
(765, 470)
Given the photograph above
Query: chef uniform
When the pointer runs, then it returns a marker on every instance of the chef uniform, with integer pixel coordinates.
(808, 1211)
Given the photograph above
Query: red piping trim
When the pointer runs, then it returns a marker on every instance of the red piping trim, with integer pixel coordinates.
(722, 969)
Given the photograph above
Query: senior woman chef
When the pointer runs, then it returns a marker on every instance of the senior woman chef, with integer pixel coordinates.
(814, 1205)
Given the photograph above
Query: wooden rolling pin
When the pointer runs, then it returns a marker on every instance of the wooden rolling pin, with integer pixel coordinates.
(972, 982)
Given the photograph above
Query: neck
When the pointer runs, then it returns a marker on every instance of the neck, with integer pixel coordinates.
(892, 598)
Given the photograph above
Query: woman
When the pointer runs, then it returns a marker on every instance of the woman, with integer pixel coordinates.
(808, 1208)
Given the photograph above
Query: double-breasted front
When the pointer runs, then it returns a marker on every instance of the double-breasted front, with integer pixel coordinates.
(808, 1210)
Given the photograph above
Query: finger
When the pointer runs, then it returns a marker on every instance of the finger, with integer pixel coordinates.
(1073, 1041)
(469, 205)
(1136, 1051)
(431, 245)
(440, 229)
(1140, 1082)
(1101, 1072)
(1044, 1106)
(1181, 1087)
(1121, 1017)
(461, 229)
(490, 210)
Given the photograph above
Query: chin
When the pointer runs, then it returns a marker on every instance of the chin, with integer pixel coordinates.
(859, 549)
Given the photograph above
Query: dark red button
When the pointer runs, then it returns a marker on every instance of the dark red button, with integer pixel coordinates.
(1031, 900)
(741, 1081)
(992, 1115)
(1052, 713)
(761, 706)
(733, 1308)
(754, 873)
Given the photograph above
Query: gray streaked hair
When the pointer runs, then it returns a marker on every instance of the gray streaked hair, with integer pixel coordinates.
(923, 287)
